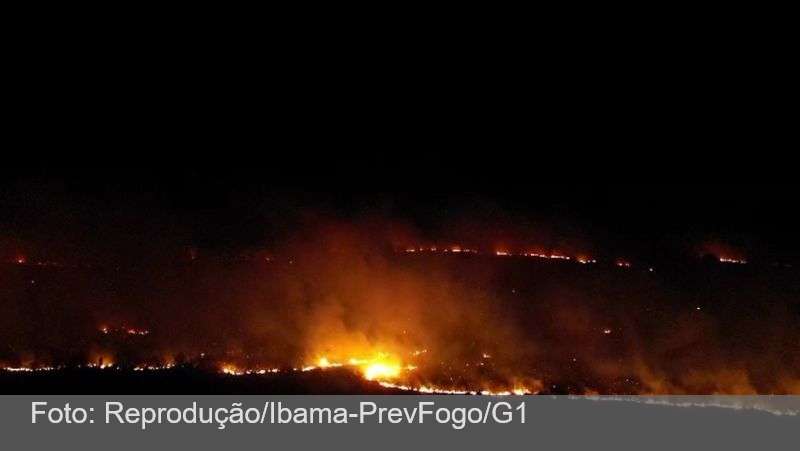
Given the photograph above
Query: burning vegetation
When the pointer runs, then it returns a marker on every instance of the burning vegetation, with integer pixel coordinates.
(431, 318)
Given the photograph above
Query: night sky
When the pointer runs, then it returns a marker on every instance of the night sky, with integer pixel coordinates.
(98, 211)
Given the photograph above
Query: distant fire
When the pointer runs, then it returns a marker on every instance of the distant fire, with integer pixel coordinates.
(723, 252)
(123, 330)
(582, 259)
(733, 260)
(548, 256)
(456, 249)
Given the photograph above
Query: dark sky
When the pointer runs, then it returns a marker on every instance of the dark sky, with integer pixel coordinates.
(232, 208)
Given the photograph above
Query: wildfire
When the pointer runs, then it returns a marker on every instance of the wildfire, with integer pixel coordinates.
(393, 368)
(379, 367)
(581, 259)
(132, 331)
(231, 370)
(547, 256)
(101, 361)
(123, 330)
(432, 390)
(455, 249)
(375, 371)
(27, 370)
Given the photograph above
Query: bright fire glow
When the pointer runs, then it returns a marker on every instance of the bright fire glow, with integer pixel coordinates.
(379, 367)
(375, 371)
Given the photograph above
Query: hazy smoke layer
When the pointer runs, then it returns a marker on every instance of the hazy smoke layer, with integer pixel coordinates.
(348, 289)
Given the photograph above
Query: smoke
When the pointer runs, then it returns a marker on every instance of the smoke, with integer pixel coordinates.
(343, 289)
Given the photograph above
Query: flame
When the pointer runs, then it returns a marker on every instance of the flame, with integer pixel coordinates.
(380, 367)
(375, 371)
(122, 330)
(733, 260)
(231, 370)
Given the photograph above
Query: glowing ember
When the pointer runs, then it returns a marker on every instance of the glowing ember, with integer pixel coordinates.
(547, 256)
(132, 331)
(456, 249)
(123, 330)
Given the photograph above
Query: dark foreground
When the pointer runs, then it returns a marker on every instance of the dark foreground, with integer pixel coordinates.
(177, 381)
